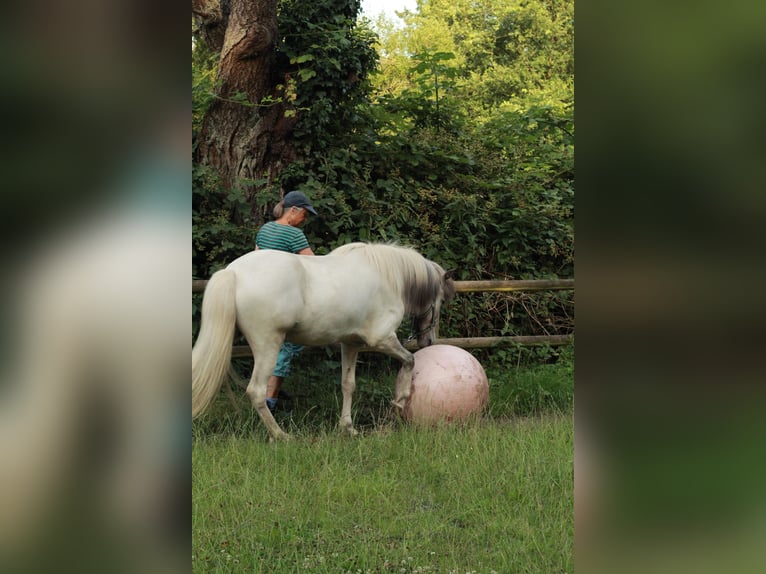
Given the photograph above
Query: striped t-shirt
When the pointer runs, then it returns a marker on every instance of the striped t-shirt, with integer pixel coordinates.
(274, 235)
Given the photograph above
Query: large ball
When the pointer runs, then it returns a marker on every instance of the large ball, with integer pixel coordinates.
(448, 383)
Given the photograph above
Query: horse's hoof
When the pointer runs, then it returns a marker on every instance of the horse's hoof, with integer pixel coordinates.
(349, 429)
(399, 404)
(284, 437)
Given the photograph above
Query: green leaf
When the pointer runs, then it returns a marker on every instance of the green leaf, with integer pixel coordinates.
(302, 58)
(306, 74)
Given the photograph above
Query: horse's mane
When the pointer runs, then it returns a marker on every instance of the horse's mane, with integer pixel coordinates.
(407, 271)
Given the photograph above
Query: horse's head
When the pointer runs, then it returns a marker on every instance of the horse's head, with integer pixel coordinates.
(424, 324)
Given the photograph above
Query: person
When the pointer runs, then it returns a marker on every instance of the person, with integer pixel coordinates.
(284, 234)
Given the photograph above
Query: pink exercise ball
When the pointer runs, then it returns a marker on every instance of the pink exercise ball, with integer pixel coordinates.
(448, 383)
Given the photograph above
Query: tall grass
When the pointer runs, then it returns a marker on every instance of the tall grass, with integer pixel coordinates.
(491, 496)
(316, 395)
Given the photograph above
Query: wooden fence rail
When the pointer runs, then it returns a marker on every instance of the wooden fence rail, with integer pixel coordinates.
(198, 285)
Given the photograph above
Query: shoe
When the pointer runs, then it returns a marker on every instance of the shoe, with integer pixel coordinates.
(272, 404)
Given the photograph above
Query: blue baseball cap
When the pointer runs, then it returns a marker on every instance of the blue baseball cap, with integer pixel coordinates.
(298, 199)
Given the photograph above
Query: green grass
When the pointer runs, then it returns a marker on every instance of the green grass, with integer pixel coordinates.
(491, 496)
(531, 390)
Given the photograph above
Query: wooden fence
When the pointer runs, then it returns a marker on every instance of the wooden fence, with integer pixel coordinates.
(198, 285)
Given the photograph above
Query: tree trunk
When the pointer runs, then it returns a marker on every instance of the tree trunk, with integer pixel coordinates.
(244, 133)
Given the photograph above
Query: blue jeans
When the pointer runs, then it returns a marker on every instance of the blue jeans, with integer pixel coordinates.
(287, 353)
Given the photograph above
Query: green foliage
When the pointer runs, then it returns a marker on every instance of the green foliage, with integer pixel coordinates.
(330, 56)
(429, 102)
(222, 223)
(513, 54)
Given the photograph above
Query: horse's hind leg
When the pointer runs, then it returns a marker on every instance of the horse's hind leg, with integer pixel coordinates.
(265, 359)
(348, 384)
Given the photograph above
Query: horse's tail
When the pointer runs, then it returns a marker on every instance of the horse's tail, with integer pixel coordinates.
(211, 355)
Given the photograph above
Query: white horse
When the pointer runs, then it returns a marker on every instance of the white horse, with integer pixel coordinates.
(357, 296)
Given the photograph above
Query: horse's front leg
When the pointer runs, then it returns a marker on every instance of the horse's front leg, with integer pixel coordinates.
(348, 384)
(393, 348)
